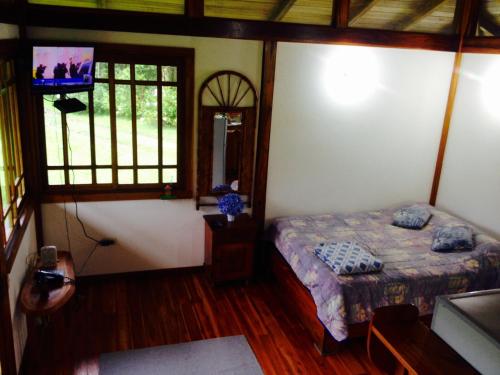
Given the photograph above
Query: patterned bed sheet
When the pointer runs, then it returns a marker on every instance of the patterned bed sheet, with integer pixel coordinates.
(412, 272)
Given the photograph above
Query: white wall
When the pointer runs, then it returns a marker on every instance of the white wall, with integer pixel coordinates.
(16, 278)
(330, 153)
(470, 182)
(151, 234)
(8, 31)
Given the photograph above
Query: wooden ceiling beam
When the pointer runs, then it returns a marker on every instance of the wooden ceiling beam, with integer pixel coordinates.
(361, 11)
(115, 20)
(340, 13)
(425, 10)
(194, 8)
(281, 9)
(488, 22)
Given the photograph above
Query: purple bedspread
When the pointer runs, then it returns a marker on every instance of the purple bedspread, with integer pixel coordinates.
(412, 272)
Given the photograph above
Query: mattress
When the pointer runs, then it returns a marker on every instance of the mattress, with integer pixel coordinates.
(412, 272)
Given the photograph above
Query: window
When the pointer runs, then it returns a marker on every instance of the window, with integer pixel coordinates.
(135, 135)
(12, 183)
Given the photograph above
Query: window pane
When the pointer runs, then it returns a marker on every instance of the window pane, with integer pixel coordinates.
(169, 123)
(147, 125)
(56, 177)
(53, 132)
(169, 73)
(146, 72)
(122, 71)
(80, 176)
(169, 176)
(8, 225)
(102, 124)
(125, 176)
(21, 189)
(104, 176)
(101, 70)
(79, 133)
(3, 180)
(147, 176)
(124, 124)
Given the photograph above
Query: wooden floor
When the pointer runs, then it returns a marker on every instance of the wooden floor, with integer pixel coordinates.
(158, 309)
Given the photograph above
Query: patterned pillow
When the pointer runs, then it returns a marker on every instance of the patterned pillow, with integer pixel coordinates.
(347, 258)
(411, 217)
(454, 237)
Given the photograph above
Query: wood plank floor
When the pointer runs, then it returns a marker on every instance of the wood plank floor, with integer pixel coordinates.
(157, 309)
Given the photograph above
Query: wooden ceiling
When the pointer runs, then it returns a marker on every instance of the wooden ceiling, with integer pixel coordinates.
(433, 16)
(428, 16)
(153, 6)
(489, 18)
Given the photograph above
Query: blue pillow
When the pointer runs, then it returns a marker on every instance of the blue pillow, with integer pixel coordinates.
(411, 217)
(347, 258)
(450, 238)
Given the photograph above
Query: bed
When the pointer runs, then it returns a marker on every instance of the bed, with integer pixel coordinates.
(335, 307)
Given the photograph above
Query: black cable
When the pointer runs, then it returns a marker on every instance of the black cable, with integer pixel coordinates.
(67, 226)
(73, 187)
(88, 258)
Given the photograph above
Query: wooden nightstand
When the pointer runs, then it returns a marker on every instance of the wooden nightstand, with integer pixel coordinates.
(229, 247)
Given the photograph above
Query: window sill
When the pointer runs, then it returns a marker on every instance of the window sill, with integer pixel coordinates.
(58, 197)
(17, 236)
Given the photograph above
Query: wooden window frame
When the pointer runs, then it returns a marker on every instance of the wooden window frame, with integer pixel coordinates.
(183, 58)
(19, 206)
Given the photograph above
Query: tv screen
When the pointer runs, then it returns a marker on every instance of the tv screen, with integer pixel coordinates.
(62, 69)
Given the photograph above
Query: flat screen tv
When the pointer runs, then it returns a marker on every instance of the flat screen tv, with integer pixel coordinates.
(59, 70)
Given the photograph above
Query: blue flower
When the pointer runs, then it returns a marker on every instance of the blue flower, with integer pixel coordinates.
(231, 204)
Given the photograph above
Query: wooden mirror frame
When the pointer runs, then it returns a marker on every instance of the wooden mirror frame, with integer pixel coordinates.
(227, 99)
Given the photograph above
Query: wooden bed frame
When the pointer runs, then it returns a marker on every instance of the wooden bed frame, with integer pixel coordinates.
(298, 299)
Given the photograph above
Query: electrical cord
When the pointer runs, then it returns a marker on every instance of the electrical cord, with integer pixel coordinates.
(67, 226)
(73, 187)
(73, 195)
(88, 258)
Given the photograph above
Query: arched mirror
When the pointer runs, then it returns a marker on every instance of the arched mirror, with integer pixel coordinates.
(226, 137)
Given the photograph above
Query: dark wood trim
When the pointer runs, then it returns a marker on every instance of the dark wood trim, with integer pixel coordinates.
(89, 279)
(481, 45)
(17, 235)
(467, 17)
(194, 8)
(9, 13)
(9, 48)
(467, 12)
(7, 347)
(114, 20)
(264, 132)
(446, 128)
(99, 196)
(340, 15)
